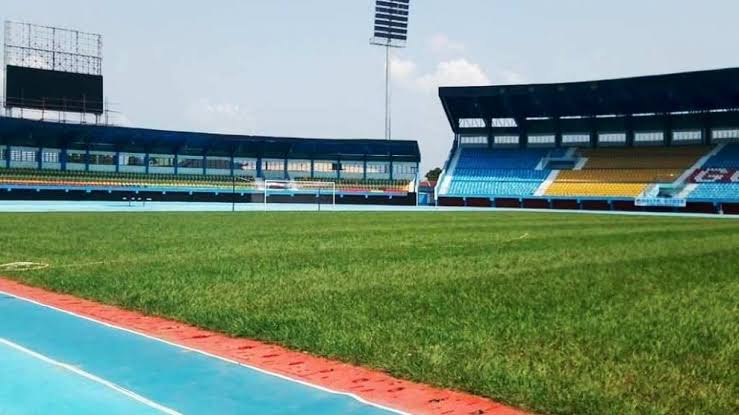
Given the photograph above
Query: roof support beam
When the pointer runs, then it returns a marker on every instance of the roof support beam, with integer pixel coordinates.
(630, 135)
(593, 123)
(523, 131)
(668, 130)
(489, 128)
(707, 128)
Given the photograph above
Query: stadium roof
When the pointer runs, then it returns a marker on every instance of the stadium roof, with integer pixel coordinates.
(679, 92)
(17, 131)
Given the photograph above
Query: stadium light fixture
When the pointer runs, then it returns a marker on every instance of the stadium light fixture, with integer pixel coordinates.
(390, 31)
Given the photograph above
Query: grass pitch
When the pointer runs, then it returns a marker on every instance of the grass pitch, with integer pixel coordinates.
(554, 313)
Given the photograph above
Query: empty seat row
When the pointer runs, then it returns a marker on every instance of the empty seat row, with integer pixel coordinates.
(594, 189)
(620, 175)
(728, 158)
(482, 172)
(488, 188)
(716, 191)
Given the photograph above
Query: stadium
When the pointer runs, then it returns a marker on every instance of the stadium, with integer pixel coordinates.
(576, 253)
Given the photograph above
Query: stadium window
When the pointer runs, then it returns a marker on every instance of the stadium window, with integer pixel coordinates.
(725, 134)
(405, 169)
(352, 167)
(687, 135)
(612, 138)
(133, 161)
(298, 165)
(323, 166)
(161, 160)
(23, 155)
(575, 139)
(473, 139)
(377, 168)
(245, 164)
(504, 122)
(3, 155)
(222, 163)
(102, 159)
(506, 139)
(541, 139)
(471, 123)
(649, 137)
(76, 157)
(50, 156)
(189, 162)
(273, 165)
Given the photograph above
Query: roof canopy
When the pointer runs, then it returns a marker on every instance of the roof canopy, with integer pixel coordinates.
(16, 131)
(680, 92)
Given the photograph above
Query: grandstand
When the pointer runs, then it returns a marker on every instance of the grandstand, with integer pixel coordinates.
(655, 143)
(55, 161)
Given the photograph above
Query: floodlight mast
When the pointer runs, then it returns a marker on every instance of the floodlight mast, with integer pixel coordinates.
(390, 31)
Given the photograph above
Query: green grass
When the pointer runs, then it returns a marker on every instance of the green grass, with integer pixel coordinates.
(558, 314)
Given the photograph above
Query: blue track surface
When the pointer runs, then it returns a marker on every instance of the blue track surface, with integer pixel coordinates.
(69, 206)
(52, 362)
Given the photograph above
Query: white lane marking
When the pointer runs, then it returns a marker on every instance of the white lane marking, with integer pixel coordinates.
(214, 356)
(520, 238)
(89, 376)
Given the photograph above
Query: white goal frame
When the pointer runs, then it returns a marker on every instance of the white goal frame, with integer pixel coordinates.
(291, 187)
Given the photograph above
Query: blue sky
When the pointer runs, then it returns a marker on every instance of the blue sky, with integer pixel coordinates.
(305, 68)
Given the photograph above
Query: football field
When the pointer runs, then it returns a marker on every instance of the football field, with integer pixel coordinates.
(552, 313)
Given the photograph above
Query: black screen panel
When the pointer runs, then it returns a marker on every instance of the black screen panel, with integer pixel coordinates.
(53, 90)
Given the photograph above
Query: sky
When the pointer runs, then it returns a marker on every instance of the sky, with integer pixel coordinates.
(304, 68)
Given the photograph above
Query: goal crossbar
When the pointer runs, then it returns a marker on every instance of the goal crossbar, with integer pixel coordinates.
(300, 187)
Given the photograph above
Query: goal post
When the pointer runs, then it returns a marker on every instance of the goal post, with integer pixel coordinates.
(303, 191)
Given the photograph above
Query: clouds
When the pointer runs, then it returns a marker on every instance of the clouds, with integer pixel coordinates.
(401, 69)
(457, 72)
(452, 70)
(441, 45)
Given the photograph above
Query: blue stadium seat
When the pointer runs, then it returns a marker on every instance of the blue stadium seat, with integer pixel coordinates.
(718, 191)
(727, 158)
(490, 173)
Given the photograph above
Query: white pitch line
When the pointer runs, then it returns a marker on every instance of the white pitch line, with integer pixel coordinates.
(89, 376)
(204, 353)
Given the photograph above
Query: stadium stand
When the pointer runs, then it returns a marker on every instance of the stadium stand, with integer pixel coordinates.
(46, 160)
(482, 172)
(654, 143)
(718, 178)
(624, 172)
(138, 181)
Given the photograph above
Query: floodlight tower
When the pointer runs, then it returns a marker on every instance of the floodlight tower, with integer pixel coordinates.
(391, 31)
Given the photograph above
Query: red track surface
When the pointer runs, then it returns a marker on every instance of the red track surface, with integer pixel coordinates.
(371, 385)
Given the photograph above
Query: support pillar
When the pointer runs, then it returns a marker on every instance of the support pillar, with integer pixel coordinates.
(557, 132)
(630, 134)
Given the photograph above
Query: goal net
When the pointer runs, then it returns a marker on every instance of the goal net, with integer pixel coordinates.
(320, 194)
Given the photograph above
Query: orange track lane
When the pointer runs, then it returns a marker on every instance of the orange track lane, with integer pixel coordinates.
(370, 385)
